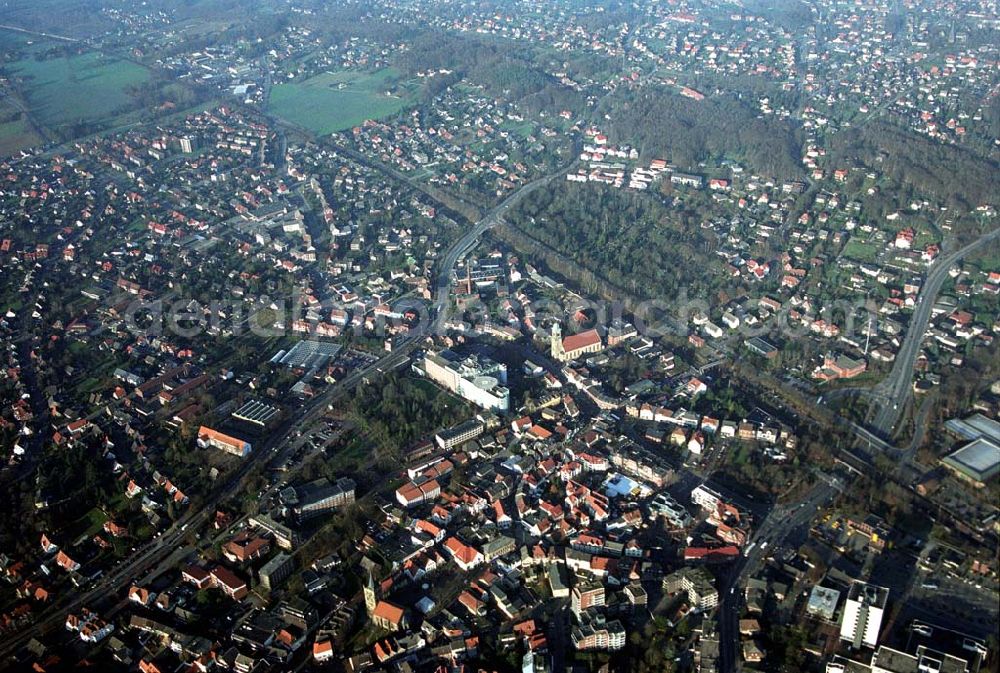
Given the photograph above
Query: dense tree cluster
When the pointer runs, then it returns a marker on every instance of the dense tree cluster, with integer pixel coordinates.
(402, 411)
(504, 69)
(951, 173)
(630, 240)
(686, 132)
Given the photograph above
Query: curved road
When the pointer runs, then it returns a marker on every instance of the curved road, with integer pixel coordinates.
(471, 238)
(897, 385)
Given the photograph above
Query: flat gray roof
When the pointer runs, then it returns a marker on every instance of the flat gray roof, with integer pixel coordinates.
(979, 459)
(976, 426)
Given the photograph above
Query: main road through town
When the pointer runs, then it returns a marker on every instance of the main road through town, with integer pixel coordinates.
(470, 239)
(780, 524)
(154, 551)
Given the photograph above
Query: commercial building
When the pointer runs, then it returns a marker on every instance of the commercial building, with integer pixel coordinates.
(697, 583)
(888, 660)
(761, 347)
(863, 614)
(637, 462)
(285, 537)
(229, 583)
(823, 602)
(413, 493)
(974, 427)
(587, 595)
(675, 513)
(710, 555)
(207, 437)
(596, 633)
(474, 378)
(459, 434)
(839, 367)
(307, 354)
(706, 498)
(558, 581)
(497, 547)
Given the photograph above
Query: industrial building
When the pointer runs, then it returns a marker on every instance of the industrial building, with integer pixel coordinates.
(257, 413)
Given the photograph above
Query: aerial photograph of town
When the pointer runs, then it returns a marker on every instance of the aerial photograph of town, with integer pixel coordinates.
(500, 336)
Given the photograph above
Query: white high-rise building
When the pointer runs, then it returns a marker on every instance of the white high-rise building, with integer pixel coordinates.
(863, 614)
(477, 379)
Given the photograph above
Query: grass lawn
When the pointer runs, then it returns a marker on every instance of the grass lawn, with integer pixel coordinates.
(520, 129)
(84, 87)
(90, 523)
(336, 101)
(89, 385)
(859, 250)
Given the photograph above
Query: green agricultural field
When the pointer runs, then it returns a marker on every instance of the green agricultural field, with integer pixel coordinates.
(337, 101)
(85, 87)
(17, 134)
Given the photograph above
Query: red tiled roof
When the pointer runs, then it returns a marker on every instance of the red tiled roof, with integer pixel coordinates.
(582, 340)
(389, 612)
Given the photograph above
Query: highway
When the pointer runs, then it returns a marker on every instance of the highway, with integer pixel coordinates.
(897, 385)
(51, 36)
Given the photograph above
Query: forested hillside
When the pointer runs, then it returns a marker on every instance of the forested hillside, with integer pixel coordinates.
(953, 174)
(627, 239)
(686, 131)
(503, 69)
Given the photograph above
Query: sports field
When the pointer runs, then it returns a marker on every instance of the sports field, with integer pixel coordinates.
(335, 101)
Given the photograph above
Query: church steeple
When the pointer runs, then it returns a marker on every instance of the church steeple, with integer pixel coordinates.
(556, 345)
(370, 597)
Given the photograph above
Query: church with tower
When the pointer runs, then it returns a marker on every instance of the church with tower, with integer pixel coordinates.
(575, 345)
(383, 614)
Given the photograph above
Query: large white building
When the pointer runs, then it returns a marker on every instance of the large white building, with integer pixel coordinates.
(706, 498)
(863, 614)
(888, 660)
(477, 379)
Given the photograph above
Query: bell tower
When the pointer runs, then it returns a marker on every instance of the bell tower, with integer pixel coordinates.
(556, 346)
